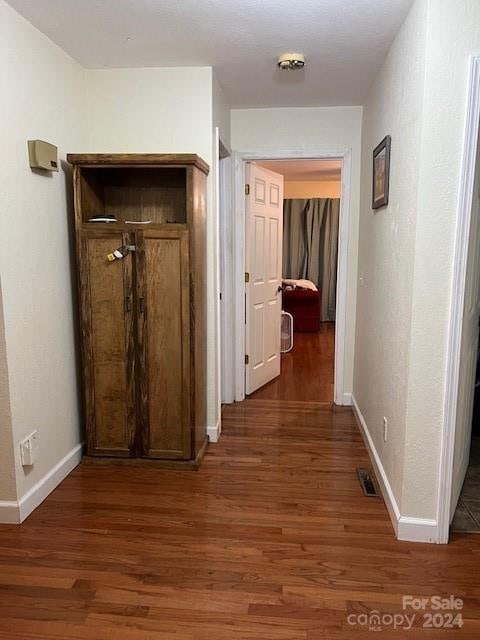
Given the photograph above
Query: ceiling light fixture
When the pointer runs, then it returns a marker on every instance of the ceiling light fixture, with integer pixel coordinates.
(291, 61)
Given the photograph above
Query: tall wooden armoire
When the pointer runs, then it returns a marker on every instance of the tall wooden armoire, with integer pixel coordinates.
(142, 304)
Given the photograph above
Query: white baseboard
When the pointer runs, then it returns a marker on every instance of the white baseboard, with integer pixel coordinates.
(16, 512)
(347, 399)
(213, 433)
(406, 528)
(9, 513)
(417, 529)
(385, 487)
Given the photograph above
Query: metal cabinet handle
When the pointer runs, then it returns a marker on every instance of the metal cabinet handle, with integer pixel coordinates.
(128, 304)
(141, 305)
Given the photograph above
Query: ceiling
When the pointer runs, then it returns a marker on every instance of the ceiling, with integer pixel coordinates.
(344, 41)
(305, 170)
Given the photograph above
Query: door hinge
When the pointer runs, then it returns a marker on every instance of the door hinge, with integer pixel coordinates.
(247, 276)
(246, 359)
(247, 189)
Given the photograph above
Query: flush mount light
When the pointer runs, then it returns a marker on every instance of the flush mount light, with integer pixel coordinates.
(291, 61)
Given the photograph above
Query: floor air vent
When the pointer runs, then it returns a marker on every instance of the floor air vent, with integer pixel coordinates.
(367, 483)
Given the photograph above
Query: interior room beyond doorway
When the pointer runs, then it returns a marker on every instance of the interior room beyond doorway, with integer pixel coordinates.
(311, 214)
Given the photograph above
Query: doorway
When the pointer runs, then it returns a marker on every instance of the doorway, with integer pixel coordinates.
(464, 319)
(465, 502)
(309, 261)
(234, 347)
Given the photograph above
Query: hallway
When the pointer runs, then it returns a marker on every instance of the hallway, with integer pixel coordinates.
(272, 539)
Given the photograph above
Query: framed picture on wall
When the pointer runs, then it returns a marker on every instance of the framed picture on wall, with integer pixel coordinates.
(381, 173)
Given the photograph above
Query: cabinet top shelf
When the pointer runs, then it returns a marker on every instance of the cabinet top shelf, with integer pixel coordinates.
(138, 159)
(132, 226)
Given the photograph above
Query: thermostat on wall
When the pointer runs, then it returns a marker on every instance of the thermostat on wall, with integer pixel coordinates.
(42, 155)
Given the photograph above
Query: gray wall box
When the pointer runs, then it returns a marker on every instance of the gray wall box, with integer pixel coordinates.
(42, 155)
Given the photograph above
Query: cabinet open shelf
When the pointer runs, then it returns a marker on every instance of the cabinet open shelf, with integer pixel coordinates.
(135, 193)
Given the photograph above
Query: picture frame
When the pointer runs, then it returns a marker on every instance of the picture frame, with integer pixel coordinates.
(381, 173)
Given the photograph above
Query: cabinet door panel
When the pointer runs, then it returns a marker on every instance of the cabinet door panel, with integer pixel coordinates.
(108, 344)
(164, 342)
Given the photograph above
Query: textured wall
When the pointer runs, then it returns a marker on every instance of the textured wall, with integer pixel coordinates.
(453, 36)
(406, 251)
(387, 246)
(42, 96)
(220, 111)
(8, 489)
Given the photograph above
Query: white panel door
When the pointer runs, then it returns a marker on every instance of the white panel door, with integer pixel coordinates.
(263, 257)
(469, 348)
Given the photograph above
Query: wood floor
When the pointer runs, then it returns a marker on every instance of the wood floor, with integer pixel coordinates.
(272, 539)
(307, 370)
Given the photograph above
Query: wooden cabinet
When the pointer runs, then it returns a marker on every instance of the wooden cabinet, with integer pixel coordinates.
(142, 316)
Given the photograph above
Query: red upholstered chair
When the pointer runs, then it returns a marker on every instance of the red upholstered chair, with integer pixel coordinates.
(304, 305)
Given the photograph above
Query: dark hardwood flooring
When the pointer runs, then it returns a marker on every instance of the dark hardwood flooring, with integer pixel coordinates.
(307, 370)
(272, 539)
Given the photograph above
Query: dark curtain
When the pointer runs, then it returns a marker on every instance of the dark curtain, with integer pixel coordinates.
(310, 246)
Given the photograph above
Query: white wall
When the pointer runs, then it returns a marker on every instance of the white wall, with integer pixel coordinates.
(453, 36)
(387, 246)
(8, 487)
(406, 251)
(220, 111)
(42, 95)
(163, 110)
(327, 129)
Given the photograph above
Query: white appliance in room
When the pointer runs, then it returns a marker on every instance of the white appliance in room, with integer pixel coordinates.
(286, 332)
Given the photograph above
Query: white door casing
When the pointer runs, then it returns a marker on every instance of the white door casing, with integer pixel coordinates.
(234, 266)
(469, 347)
(263, 260)
(469, 165)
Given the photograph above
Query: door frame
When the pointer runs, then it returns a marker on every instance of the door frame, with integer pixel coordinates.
(462, 235)
(227, 285)
(233, 348)
(221, 170)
